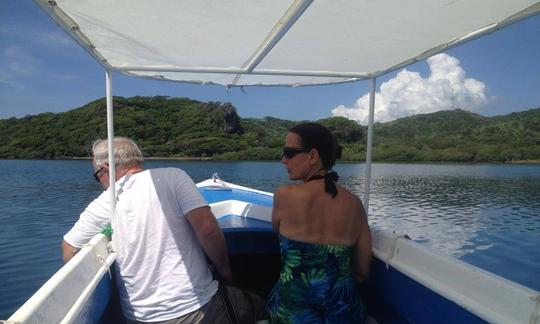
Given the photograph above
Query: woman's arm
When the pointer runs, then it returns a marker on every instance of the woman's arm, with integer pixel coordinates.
(362, 250)
(277, 208)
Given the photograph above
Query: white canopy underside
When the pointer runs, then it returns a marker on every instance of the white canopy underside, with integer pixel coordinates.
(277, 42)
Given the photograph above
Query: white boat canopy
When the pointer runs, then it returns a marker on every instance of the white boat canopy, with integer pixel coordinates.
(277, 42)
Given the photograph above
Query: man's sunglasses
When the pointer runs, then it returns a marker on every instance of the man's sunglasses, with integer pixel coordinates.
(96, 174)
(290, 152)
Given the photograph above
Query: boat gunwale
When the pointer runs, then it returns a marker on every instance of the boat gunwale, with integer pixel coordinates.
(96, 254)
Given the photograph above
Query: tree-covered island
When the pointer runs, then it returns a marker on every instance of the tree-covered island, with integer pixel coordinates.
(183, 128)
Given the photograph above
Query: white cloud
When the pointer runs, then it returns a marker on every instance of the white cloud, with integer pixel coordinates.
(55, 39)
(409, 93)
(18, 61)
(37, 35)
(15, 63)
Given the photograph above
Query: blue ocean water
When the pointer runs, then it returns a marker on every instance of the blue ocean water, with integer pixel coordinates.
(485, 214)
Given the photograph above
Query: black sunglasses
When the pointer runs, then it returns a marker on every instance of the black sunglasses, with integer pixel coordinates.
(290, 152)
(96, 174)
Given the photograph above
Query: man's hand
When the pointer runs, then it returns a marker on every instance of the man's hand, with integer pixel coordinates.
(68, 251)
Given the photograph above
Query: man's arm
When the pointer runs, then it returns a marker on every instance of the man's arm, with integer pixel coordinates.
(90, 222)
(68, 251)
(211, 239)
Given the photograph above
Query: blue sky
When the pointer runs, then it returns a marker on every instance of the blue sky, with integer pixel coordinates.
(44, 70)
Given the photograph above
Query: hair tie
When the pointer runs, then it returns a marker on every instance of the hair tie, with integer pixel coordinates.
(330, 180)
(330, 183)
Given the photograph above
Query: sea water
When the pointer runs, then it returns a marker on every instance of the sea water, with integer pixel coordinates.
(485, 214)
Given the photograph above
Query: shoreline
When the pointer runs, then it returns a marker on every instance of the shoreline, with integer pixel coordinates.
(523, 162)
(158, 158)
(180, 158)
(146, 158)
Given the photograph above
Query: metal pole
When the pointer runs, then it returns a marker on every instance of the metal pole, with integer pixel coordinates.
(110, 138)
(369, 144)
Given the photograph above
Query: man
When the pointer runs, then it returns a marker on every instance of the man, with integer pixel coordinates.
(163, 230)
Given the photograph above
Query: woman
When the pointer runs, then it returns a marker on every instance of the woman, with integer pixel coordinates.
(324, 236)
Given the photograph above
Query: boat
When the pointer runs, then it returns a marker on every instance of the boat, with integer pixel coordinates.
(284, 43)
(409, 282)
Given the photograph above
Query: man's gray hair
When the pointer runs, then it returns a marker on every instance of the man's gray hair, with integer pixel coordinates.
(126, 152)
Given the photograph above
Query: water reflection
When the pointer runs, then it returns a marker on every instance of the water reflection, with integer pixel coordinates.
(488, 215)
(455, 205)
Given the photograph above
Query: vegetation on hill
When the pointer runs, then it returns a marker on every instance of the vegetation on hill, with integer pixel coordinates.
(185, 128)
(460, 135)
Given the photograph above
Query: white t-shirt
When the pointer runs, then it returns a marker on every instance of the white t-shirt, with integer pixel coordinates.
(162, 271)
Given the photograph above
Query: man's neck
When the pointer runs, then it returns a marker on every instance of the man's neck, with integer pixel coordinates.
(130, 170)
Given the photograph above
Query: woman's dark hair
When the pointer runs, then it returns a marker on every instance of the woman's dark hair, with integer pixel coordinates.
(316, 136)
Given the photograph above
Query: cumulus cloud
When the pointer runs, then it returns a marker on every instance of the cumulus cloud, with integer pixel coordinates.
(409, 93)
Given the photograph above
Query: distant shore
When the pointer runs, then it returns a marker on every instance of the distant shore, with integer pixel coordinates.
(523, 162)
(178, 158)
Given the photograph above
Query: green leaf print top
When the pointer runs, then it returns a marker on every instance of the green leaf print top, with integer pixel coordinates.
(316, 285)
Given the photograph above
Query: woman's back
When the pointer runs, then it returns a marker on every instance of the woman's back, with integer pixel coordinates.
(311, 215)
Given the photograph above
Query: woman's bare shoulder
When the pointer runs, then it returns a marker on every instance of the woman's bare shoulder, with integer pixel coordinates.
(283, 192)
(352, 199)
(291, 193)
(288, 189)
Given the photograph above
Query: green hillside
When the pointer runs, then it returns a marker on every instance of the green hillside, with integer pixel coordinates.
(459, 135)
(185, 128)
(162, 126)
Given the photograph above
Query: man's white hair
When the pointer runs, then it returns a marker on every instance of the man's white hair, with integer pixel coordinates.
(126, 152)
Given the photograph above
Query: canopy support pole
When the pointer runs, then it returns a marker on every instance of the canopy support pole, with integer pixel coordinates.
(110, 139)
(369, 144)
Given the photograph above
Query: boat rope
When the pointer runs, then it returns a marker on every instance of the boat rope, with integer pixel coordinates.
(103, 262)
(535, 315)
(110, 247)
(391, 252)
